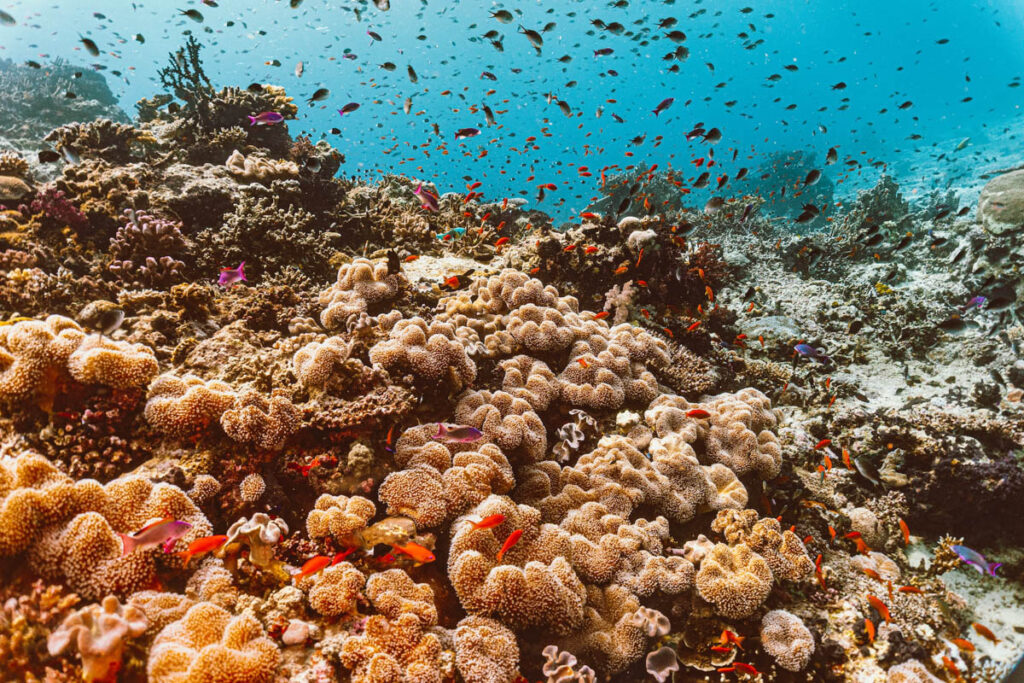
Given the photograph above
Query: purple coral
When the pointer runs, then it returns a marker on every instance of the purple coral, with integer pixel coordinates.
(55, 206)
(143, 250)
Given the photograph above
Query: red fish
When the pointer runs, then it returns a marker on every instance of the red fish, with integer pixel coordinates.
(730, 637)
(589, 215)
(746, 668)
(312, 566)
(821, 444)
(489, 522)
(338, 557)
(512, 539)
(410, 259)
(503, 240)
(870, 628)
(721, 648)
(416, 552)
(570, 247)
(879, 607)
(589, 250)
(621, 269)
(202, 545)
(698, 413)
(909, 589)
(873, 574)
(601, 316)
(984, 632)
(694, 326)
(905, 530)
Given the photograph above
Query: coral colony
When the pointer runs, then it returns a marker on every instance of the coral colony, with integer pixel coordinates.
(262, 423)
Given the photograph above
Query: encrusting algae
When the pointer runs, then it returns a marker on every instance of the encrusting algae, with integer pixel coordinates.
(423, 436)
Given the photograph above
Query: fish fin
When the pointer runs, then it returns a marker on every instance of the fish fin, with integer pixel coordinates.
(252, 120)
(185, 556)
(993, 567)
(127, 544)
(168, 544)
(442, 431)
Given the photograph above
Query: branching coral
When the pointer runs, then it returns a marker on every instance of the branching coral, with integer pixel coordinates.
(143, 250)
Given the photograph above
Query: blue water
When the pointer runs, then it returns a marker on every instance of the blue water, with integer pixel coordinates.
(887, 52)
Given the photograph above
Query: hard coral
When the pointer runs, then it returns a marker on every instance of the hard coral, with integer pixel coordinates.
(98, 632)
(208, 644)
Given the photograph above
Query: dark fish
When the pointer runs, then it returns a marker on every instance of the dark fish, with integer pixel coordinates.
(382, 5)
(854, 327)
(535, 38)
(320, 95)
(47, 156)
(867, 470)
(624, 204)
(714, 205)
(388, 66)
(193, 14)
(502, 15)
(663, 105)
(905, 241)
(466, 133)
(374, 36)
(348, 108)
(90, 46)
(741, 174)
(6, 19)
(255, 87)
(702, 180)
(813, 177)
(394, 263)
(839, 86)
(874, 239)
(907, 105)
(713, 136)
(831, 156)
(676, 36)
(488, 75)
(412, 74)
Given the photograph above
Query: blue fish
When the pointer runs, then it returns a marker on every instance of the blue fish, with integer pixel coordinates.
(977, 560)
(812, 353)
(454, 232)
(978, 301)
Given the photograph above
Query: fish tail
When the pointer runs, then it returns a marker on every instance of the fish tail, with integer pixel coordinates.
(993, 567)
(441, 431)
(127, 544)
(185, 556)
(252, 120)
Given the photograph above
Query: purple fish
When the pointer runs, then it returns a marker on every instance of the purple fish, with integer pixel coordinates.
(466, 133)
(812, 353)
(457, 434)
(978, 301)
(663, 105)
(230, 276)
(428, 198)
(349, 108)
(162, 532)
(267, 118)
(977, 560)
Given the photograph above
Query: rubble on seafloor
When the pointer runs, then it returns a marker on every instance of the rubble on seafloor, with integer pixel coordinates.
(654, 483)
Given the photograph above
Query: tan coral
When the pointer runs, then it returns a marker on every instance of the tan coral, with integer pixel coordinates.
(532, 585)
(430, 353)
(734, 525)
(392, 651)
(393, 593)
(160, 608)
(540, 330)
(315, 362)
(508, 421)
(531, 380)
(208, 644)
(33, 355)
(486, 650)
(341, 517)
(360, 285)
(252, 488)
(120, 365)
(911, 671)
(734, 579)
(98, 633)
(782, 550)
(612, 637)
(785, 637)
(183, 406)
(262, 421)
(336, 590)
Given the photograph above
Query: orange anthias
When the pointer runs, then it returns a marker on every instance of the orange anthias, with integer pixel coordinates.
(416, 552)
(312, 566)
(879, 607)
(202, 545)
(489, 522)
(730, 637)
(512, 539)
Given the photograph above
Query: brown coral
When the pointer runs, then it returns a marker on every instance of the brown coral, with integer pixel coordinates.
(184, 406)
(360, 285)
(734, 579)
(257, 419)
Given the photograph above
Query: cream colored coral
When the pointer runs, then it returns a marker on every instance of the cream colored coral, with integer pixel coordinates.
(160, 608)
(98, 633)
(911, 671)
(508, 421)
(435, 487)
(613, 634)
(120, 365)
(182, 406)
(336, 590)
(785, 637)
(430, 353)
(204, 488)
(258, 168)
(252, 488)
(360, 284)
(393, 650)
(782, 550)
(393, 593)
(540, 330)
(734, 579)
(262, 421)
(315, 362)
(532, 585)
(213, 582)
(531, 380)
(208, 644)
(486, 650)
(261, 533)
(340, 517)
